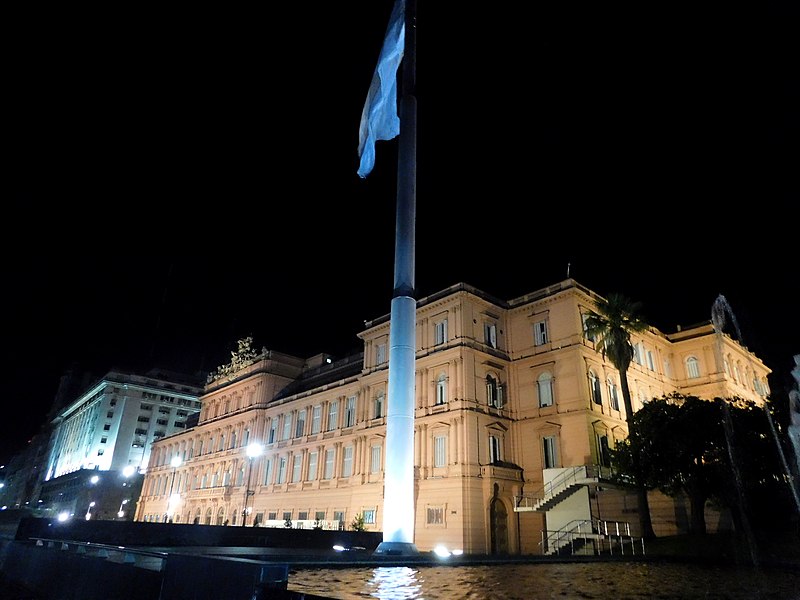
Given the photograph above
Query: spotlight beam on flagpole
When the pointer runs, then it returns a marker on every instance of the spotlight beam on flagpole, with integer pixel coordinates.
(399, 48)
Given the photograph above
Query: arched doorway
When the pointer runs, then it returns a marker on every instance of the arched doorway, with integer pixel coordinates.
(498, 524)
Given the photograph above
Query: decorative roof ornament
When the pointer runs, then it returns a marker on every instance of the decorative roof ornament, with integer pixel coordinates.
(242, 357)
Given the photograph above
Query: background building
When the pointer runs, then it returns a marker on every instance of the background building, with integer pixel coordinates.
(91, 456)
(510, 395)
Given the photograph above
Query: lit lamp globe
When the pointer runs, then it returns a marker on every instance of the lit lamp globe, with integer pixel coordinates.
(254, 450)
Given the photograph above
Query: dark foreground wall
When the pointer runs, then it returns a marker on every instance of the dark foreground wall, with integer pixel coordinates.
(124, 533)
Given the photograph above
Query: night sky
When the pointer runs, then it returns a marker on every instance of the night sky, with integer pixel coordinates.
(175, 181)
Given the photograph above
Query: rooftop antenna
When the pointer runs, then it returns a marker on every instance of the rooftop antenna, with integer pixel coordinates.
(568, 264)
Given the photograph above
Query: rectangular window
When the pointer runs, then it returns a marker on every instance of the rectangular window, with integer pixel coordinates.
(107, 427)
(110, 414)
(300, 427)
(435, 515)
(636, 354)
(338, 515)
(440, 332)
(379, 405)
(296, 466)
(347, 462)
(302, 515)
(312, 465)
(319, 515)
(375, 459)
(316, 418)
(287, 426)
(330, 455)
(273, 431)
(103, 440)
(272, 516)
(380, 354)
(540, 333)
(651, 363)
(545, 386)
(282, 469)
(333, 415)
(350, 412)
(439, 451)
(589, 337)
(287, 515)
(369, 516)
(494, 449)
(268, 471)
(549, 452)
(490, 334)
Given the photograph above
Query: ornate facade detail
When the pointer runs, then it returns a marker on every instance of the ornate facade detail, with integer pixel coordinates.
(243, 357)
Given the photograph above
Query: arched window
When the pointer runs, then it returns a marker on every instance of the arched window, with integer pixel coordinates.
(240, 477)
(233, 440)
(204, 482)
(221, 516)
(692, 367)
(594, 386)
(441, 389)
(545, 388)
(208, 516)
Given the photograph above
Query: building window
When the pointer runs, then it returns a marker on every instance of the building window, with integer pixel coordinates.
(103, 440)
(273, 431)
(347, 462)
(380, 354)
(369, 516)
(613, 398)
(246, 440)
(287, 515)
(100, 452)
(494, 449)
(333, 415)
(439, 450)
(651, 363)
(268, 471)
(441, 389)
(589, 337)
(435, 515)
(375, 459)
(549, 452)
(316, 418)
(350, 412)
(379, 405)
(296, 466)
(490, 334)
(338, 515)
(440, 332)
(233, 440)
(692, 367)
(319, 515)
(312, 466)
(107, 427)
(544, 386)
(282, 469)
(287, 426)
(636, 354)
(302, 515)
(494, 392)
(330, 455)
(110, 414)
(595, 387)
(540, 333)
(602, 451)
(300, 428)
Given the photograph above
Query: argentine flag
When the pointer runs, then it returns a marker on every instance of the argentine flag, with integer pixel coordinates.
(379, 120)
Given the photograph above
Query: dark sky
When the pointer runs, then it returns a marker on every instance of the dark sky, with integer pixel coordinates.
(177, 180)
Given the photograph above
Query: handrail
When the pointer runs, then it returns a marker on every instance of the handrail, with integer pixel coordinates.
(564, 480)
(606, 534)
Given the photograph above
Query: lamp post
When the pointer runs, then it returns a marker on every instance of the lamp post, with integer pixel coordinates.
(175, 462)
(253, 450)
(89, 511)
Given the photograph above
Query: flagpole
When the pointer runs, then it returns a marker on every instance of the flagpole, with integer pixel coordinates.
(398, 511)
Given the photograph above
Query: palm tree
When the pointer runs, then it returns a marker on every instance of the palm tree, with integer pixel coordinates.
(612, 324)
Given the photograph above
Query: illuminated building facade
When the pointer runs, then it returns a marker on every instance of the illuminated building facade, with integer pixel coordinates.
(100, 442)
(506, 392)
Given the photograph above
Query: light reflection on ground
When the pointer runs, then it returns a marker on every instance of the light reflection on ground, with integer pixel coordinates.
(618, 580)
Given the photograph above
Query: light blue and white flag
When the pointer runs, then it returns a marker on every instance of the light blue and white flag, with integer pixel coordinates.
(379, 120)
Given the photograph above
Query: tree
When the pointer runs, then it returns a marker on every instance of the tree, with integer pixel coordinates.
(612, 324)
(681, 447)
(677, 444)
(358, 523)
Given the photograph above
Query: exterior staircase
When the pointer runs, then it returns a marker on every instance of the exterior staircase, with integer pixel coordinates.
(561, 488)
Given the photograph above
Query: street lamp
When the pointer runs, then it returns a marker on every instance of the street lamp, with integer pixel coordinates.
(253, 450)
(175, 462)
(89, 511)
(121, 512)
